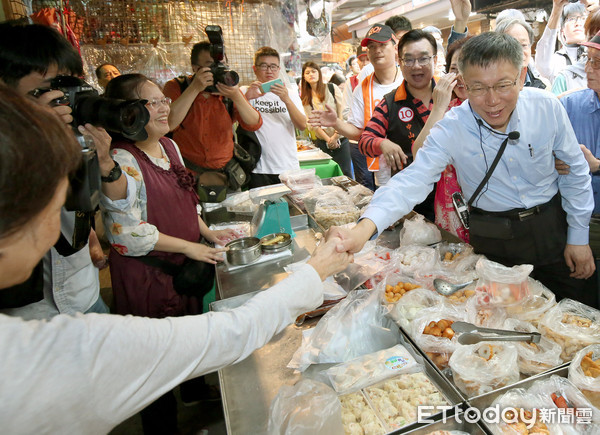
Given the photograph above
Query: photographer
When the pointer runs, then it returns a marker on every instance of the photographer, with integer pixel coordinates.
(200, 120)
(88, 373)
(66, 281)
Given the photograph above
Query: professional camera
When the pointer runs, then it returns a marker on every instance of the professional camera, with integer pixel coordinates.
(219, 70)
(126, 117)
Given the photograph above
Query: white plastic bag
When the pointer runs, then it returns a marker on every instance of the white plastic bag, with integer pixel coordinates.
(416, 231)
(372, 368)
(483, 367)
(410, 259)
(533, 308)
(411, 304)
(488, 316)
(571, 324)
(585, 378)
(504, 285)
(354, 327)
(306, 408)
(367, 264)
(534, 358)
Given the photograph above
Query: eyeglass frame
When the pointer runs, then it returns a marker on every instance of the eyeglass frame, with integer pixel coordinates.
(487, 88)
(155, 103)
(411, 62)
(576, 18)
(268, 67)
(593, 62)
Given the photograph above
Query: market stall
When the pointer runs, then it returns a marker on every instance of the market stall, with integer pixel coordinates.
(460, 348)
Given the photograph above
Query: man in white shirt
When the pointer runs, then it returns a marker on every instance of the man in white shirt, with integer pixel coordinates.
(281, 111)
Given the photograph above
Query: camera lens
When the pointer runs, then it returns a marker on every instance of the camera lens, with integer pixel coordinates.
(127, 117)
(231, 78)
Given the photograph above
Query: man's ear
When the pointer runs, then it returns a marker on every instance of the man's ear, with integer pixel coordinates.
(254, 68)
(523, 76)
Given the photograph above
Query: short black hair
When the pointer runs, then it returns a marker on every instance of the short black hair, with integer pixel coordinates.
(398, 22)
(414, 36)
(197, 48)
(25, 49)
(489, 48)
(99, 69)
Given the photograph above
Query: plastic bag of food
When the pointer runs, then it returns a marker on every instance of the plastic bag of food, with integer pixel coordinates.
(565, 395)
(308, 408)
(372, 368)
(240, 203)
(584, 372)
(523, 413)
(425, 277)
(240, 229)
(572, 325)
(488, 316)
(354, 327)
(483, 367)
(367, 264)
(432, 332)
(393, 287)
(451, 253)
(358, 417)
(360, 195)
(411, 304)
(534, 358)
(409, 259)
(448, 432)
(301, 179)
(313, 196)
(504, 285)
(416, 231)
(533, 308)
(334, 209)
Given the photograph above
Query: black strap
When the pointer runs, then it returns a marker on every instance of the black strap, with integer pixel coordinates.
(81, 234)
(566, 56)
(488, 174)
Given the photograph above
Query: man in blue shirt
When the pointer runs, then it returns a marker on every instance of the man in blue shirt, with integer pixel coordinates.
(517, 217)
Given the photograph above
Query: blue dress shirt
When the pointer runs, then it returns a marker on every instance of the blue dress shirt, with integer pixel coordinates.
(583, 108)
(525, 176)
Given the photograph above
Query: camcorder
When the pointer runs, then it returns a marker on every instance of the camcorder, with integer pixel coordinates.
(220, 71)
(126, 117)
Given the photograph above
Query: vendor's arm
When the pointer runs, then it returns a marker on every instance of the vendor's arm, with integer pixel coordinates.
(373, 140)
(292, 102)
(135, 360)
(545, 47)
(183, 101)
(248, 116)
(461, 10)
(442, 94)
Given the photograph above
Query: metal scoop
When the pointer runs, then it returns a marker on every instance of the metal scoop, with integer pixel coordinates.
(446, 288)
(472, 334)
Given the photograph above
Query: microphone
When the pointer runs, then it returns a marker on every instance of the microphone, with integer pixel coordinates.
(513, 135)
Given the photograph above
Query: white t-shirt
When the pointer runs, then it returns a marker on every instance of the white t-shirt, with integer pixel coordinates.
(357, 117)
(277, 135)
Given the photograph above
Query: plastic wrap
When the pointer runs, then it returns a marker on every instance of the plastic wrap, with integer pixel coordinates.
(484, 315)
(524, 409)
(372, 368)
(313, 196)
(505, 285)
(410, 259)
(157, 66)
(416, 231)
(451, 253)
(358, 417)
(360, 195)
(354, 327)
(240, 203)
(410, 306)
(572, 325)
(300, 179)
(432, 332)
(564, 394)
(534, 358)
(335, 209)
(584, 372)
(308, 408)
(241, 229)
(483, 367)
(533, 308)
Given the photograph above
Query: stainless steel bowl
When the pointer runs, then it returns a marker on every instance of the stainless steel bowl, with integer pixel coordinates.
(278, 246)
(243, 251)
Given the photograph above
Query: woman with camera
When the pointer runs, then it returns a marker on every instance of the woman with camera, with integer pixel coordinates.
(87, 373)
(315, 95)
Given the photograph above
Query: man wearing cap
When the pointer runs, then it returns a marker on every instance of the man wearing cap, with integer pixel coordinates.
(401, 114)
(522, 210)
(381, 45)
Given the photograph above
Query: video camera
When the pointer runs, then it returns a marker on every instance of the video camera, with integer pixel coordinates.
(219, 69)
(126, 117)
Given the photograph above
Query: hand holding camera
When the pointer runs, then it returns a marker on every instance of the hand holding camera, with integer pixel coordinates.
(49, 98)
(203, 79)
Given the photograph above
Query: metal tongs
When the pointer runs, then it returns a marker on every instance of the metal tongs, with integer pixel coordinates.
(472, 334)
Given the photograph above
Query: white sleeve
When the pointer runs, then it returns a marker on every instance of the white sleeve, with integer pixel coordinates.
(357, 113)
(544, 53)
(85, 374)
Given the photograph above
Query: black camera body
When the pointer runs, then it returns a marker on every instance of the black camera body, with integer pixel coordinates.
(126, 117)
(220, 71)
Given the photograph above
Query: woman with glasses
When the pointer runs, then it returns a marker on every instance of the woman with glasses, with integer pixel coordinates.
(316, 95)
(161, 225)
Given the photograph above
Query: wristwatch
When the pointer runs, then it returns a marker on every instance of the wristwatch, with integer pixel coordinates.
(113, 175)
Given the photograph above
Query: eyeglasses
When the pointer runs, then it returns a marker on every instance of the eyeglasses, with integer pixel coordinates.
(594, 62)
(265, 67)
(503, 87)
(153, 104)
(422, 61)
(577, 18)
